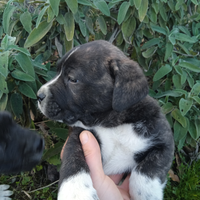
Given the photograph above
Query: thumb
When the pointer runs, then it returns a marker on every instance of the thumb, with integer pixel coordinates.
(92, 154)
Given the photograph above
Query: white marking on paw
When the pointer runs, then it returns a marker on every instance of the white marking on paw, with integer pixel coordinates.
(145, 188)
(5, 193)
(77, 187)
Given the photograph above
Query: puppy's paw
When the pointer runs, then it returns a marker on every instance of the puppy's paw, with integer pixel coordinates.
(77, 187)
(5, 193)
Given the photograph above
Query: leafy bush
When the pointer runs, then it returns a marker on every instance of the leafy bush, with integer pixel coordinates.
(162, 36)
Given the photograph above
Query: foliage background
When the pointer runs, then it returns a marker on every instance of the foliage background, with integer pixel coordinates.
(162, 36)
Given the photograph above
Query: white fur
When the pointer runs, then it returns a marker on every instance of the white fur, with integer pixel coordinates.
(5, 193)
(77, 187)
(118, 144)
(145, 188)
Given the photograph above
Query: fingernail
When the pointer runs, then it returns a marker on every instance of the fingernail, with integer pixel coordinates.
(84, 137)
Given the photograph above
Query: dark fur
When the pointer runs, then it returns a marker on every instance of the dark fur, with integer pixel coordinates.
(20, 148)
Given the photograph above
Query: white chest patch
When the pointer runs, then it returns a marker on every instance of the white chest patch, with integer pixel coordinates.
(118, 146)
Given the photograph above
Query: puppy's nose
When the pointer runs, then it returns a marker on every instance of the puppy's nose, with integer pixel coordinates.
(41, 97)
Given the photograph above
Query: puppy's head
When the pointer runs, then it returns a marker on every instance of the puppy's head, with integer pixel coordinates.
(93, 78)
(20, 148)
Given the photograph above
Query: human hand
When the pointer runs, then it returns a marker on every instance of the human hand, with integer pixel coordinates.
(106, 186)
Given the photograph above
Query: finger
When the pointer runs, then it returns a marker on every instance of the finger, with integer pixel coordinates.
(125, 184)
(61, 154)
(116, 178)
(92, 152)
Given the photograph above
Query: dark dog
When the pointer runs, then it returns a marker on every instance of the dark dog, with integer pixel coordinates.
(20, 148)
(99, 89)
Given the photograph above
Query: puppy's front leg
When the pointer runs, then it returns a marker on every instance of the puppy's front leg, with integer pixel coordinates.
(75, 182)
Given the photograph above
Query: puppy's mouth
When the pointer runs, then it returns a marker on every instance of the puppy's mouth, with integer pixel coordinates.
(53, 111)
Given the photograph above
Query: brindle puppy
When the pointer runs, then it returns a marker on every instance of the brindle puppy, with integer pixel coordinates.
(99, 89)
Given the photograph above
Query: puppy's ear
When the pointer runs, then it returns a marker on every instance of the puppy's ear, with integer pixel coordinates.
(130, 84)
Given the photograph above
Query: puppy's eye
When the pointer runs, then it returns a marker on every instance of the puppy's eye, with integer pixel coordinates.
(72, 80)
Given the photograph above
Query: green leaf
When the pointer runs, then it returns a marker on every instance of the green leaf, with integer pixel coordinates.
(155, 6)
(60, 19)
(131, 2)
(8, 12)
(167, 108)
(172, 93)
(122, 12)
(16, 103)
(26, 21)
(82, 28)
(149, 52)
(119, 39)
(179, 132)
(17, 74)
(56, 149)
(183, 78)
(25, 63)
(184, 30)
(185, 38)
(163, 12)
(197, 99)
(69, 26)
(182, 141)
(50, 14)
(184, 48)
(4, 42)
(195, 2)
(178, 70)
(195, 90)
(153, 15)
(158, 29)
(171, 5)
(38, 33)
(85, 2)
(128, 27)
(150, 43)
(137, 3)
(40, 16)
(102, 25)
(3, 85)
(20, 49)
(164, 70)
(197, 125)
(55, 6)
(192, 130)
(89, 24)
(4, 63)
(168, 51)
(185, 105)
(193, 61)
(176, 114)
(3, 102)
(143, 10)
(73, 5)
(189, 66)
(177, 81)
(103, 7)
(27, 90)
(60, 132)
(7, 41)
